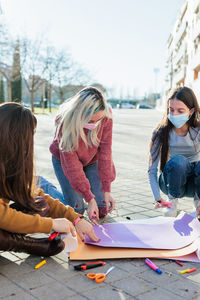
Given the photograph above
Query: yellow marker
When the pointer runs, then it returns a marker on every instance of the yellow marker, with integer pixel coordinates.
(184, 271)
(43, 262)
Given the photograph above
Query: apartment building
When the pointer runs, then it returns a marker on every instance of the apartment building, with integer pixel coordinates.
(183, 50)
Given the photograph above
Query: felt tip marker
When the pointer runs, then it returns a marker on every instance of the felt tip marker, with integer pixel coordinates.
(178, 262)
(192, 270)
(188, 271)
(43, 262)
(91, 265)
(153, 266)
(184, 271)
(53, 236)
(94, 216)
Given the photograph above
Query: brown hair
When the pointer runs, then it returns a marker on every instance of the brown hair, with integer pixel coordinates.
(161, 134)
(17, 125)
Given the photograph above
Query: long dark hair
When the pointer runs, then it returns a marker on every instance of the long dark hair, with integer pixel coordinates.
(161, 134)
(17, 125)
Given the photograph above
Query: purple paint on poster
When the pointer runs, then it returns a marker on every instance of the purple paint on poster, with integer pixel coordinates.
(174, 234)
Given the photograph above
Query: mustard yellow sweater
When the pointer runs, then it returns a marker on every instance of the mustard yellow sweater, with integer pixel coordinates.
(16, 221)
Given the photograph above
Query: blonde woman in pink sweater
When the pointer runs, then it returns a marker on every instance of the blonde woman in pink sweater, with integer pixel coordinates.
(82, 153)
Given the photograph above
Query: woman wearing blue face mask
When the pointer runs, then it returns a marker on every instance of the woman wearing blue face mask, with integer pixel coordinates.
(82, 153)
(176, 144)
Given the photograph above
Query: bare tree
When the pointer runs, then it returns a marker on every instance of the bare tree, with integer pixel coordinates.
(33, 65)
(52, 62)
(68, 73)
(63, 71)
(6, 55)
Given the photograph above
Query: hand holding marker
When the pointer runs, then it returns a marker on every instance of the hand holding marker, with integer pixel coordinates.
(53, 236)
(153, 266)
(162, 203)
(94, 217)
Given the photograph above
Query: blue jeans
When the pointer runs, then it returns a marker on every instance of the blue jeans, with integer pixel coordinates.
(49, 188)
(73, 198)
(180, 178)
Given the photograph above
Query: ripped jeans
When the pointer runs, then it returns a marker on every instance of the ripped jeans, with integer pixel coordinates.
(180, 178)
(73, 198)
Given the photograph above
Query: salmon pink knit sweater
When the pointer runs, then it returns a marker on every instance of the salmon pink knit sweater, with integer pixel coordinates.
(73, 163)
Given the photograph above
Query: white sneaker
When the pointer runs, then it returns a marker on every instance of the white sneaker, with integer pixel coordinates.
(172, 211)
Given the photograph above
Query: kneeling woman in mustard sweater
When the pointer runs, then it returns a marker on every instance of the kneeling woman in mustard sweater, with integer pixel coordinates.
(31, 210)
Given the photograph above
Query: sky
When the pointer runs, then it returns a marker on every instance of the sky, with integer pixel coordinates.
(120, 42)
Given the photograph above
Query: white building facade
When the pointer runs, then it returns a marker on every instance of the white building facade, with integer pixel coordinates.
(183, 50)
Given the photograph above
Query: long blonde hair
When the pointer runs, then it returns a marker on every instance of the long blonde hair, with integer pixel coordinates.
(75, 113)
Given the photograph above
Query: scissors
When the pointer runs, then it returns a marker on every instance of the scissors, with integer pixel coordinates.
(99, 277)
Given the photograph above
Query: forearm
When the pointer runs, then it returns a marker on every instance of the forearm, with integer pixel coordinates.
(107, 174)
(154, 185)
(59, 210)
(74, 173)
(16, 221)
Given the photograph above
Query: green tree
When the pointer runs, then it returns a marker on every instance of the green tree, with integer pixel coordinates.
(16, 83)
(2, 95)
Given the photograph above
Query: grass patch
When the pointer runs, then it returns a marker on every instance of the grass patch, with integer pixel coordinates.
(40, 110)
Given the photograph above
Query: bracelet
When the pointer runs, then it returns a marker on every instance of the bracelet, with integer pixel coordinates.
(78, 220)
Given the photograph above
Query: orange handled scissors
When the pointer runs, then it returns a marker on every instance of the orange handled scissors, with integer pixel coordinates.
(99, 277)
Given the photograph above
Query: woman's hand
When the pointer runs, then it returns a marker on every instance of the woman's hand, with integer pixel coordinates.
(85, 227)
(63, 225)
(158, 203)
(93, 211)
(109, 201)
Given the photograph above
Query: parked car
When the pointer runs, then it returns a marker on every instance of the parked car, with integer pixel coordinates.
(126, 105)
(26, 104)
(144, 106)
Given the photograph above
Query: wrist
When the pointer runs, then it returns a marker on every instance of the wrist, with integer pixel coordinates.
(92, 200)
(158, 199)
(77, 220)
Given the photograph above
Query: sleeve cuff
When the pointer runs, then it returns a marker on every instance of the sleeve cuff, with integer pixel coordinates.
(46, 225)
(88, 196)
(106, 186)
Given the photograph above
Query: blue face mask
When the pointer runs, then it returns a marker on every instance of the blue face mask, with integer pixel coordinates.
(179, 120)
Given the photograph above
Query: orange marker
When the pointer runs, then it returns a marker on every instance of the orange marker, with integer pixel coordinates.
(192, 270)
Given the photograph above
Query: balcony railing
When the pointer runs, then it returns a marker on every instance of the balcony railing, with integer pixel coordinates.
(196, 88)
(195, 60)
(168, 85)
(196, 30)
(179, 54)
(195, 5)
(178, 76)
(180, 32)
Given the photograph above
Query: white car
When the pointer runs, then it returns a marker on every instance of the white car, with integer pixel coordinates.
(127, 105)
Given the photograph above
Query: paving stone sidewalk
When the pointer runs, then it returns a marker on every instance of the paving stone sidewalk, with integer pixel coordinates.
(131, 279)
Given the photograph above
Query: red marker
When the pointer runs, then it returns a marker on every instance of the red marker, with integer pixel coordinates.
(178, 262)
(53, 236)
